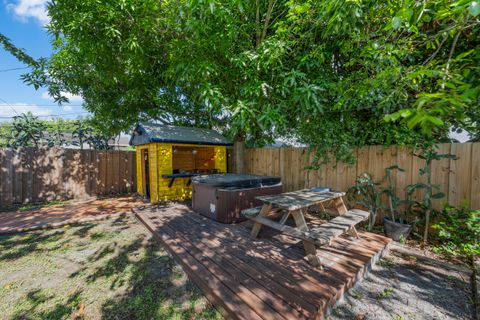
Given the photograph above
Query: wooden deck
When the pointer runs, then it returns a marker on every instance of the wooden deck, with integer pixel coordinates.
(263, 278)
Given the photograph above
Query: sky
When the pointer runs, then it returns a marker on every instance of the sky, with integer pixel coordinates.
(23, 21)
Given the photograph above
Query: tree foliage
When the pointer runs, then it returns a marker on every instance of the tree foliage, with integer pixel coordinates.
(333, 74)
(27, 130)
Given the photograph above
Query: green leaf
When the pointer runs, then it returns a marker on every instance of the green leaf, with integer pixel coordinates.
(438, 195)
(396, 22)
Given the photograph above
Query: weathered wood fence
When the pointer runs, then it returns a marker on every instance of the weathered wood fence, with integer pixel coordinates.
(458, 179)
(30, 175)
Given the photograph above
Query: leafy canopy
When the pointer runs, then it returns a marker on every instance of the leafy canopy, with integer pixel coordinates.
(333, 74)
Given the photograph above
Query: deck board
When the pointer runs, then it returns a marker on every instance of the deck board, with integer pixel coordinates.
(263, 278)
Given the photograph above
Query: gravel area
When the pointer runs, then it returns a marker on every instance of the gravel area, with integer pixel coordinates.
(402, 287)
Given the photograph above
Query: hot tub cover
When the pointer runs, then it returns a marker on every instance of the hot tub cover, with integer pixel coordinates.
(227, 180)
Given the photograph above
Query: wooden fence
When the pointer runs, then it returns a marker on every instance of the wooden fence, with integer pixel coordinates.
(30, 175)
(458, 179)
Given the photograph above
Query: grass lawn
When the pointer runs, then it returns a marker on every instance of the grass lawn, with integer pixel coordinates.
(110, 269)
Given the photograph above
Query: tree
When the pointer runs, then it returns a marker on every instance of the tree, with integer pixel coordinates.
(27, 131)
(334, 76)
(81, 133)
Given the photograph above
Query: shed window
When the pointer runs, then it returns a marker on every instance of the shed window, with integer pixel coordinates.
(193, 159)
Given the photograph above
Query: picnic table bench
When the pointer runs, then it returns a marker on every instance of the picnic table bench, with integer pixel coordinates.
(293, 204)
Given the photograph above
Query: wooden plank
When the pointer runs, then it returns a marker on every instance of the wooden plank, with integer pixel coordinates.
(441, 173)
(326, 232)
(403, 179)
(362, 160)
(300, 293)
(341, 177)
(230, 304)
(257, 297)
(86, 163)
(29, 175)
(110, 172)
(269, 268)
(460, 174)
(300, 199)
(133, 171)
(7, 168)
(17, 179)
(375, 165)
(3, 203)
(475, 188)
(289, 260)
(417, 164)
(323, 234)
(351, 173)
(313, 287)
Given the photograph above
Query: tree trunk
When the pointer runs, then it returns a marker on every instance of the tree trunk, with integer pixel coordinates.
(239, 155)
(427, 222)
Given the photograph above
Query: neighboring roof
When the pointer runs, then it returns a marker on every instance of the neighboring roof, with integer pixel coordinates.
(284, 142)
(117, 141)
(146, 133)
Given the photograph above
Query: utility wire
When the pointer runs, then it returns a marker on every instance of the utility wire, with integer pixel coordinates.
(11, 107)
(50, 115)
(13, 69)
(47, 105)
(41, 116)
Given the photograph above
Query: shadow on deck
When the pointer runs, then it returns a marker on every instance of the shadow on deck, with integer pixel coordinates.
(264, 278)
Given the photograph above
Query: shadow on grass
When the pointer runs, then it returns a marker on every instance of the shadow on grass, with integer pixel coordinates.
(154, 286)
(37, 297)
(145, 281)
(20, 245)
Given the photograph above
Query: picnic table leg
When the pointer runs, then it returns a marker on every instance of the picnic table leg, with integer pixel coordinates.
(353, 232)
(257, 226)
(340, 206)
(308, 246)
(284, 217)
(342, 209)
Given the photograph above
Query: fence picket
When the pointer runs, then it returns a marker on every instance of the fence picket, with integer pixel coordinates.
(459, 179)
(28, 175)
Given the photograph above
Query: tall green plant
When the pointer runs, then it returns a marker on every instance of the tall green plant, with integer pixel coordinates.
(368, 194)
(391, 191)
(430, 191)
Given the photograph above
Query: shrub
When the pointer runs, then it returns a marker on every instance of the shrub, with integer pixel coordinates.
(459, 232)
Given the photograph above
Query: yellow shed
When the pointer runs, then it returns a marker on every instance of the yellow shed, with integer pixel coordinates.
(169, 156)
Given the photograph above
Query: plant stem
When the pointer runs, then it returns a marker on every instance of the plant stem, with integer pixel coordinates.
(427, 222)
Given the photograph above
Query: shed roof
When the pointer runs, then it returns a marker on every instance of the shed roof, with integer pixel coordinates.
(147, 133)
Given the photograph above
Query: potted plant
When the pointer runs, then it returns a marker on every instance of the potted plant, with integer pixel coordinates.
(395, 226)
(368, 194)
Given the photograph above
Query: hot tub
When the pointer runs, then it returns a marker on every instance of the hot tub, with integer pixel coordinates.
(222, 197)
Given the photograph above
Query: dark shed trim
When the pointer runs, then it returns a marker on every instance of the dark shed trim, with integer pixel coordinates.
(144, 134)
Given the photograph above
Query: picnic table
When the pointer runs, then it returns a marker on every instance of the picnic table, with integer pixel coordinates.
(294, 204)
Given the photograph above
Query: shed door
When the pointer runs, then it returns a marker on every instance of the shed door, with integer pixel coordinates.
(145, 174)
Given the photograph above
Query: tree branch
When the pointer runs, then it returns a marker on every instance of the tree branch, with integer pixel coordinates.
(267, 19)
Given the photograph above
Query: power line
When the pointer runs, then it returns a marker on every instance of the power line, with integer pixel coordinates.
(13, 69)
(40, 116)
(11, 107)
(50, 115)
(47, 105)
